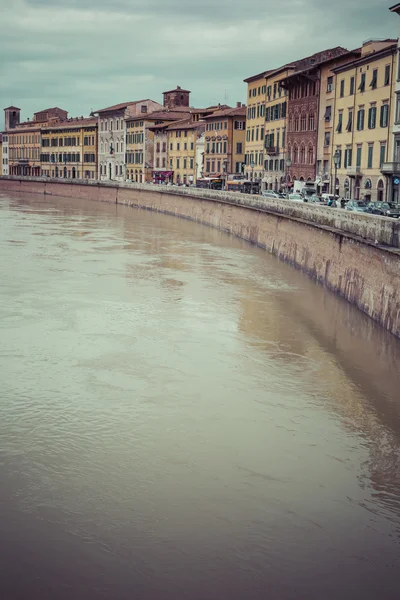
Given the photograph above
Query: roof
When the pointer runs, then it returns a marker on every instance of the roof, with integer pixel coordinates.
(49, 110)
(119, 106)
(73, 122)
(228, 112)
(166, 115)
(395, 8)
(255, 77)
(302, 63)
(366, 58)
(179, 124)
(177, 89)
(12, 108)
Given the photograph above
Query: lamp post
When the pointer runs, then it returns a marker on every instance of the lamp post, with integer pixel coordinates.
(225, 168)
(288, 162)
(252, 165)
(336, 161)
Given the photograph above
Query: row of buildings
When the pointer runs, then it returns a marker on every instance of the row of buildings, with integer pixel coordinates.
(330, 120)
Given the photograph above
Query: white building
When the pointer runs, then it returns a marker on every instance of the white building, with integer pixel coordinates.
(200, 146)
(4, 166)
(112, 136)
(392, 169)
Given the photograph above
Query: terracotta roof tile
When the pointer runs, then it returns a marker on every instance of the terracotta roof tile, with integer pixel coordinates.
(228, 112)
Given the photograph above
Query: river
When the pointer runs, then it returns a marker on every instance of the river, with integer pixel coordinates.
(184, 417)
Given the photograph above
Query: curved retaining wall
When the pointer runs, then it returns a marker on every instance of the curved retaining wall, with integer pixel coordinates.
(355, 255)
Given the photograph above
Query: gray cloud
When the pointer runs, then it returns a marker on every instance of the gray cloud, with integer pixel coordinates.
(85, 54)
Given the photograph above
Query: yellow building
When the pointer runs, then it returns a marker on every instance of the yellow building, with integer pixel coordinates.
(140, 141)
(363, 97)
(225, 142)
(326, 112)
(275, 137)
(266, 128)
(181, 150)
(255, 126)
(69, 149)
(24, 138)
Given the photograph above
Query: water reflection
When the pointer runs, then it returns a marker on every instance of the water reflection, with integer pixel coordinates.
(183, 416)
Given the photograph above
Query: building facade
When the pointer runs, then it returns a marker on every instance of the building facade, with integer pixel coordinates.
(24, 139)
(255, 126)
(326, 113)
(303, 86)
(391, 168)
(225, 136)
(112, 135)
(181, 150)
(69, 149)
(362, 135)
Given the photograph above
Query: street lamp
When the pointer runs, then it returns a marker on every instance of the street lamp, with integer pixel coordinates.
(288, 162)
(336, 160)
(252, 165)
(225, 168)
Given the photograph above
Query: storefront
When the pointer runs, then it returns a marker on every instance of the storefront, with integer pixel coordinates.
(162, 177)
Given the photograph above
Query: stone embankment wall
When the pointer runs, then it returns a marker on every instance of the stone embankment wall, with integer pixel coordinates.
(355, 255)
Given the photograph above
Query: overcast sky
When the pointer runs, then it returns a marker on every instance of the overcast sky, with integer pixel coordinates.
(87, 54)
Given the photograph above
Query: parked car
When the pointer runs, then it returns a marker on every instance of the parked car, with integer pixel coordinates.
(269, 194)
(385, 209)
(297, 198)
(357, 206)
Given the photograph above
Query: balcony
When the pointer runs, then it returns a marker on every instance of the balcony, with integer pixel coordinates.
(272, 150)
(390, 168)
(354, 171)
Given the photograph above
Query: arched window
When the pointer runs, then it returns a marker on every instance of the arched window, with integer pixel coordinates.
(296, 122)
(303, 122)
(310, 155)
(290, 123)
(290, 151)
(101, 170)
(302, 154)
(295, 154)
(381, 189)
(311, 121)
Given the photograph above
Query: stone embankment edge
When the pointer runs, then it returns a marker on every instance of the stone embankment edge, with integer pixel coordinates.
(356, 256)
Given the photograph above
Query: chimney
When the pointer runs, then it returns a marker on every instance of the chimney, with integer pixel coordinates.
(238, 105)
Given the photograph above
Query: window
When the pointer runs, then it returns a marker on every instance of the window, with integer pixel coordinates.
(361, 87)
(387, 75)
(384, 118)
(207, 166)
(328, 113)
(349, 126)
(382, 155)
(239, 148)
(296, 123)
(340, 123)
(311, 122)
(178, 163)
(360, 119)
(178, 146)
(397, 117)
(370, 156)
(329, 86)
(374, 79)
(358, 156)
(302, 155)
(352, 81)
(303, 122)
(347, 157)
(342, 88)
(143, 108)
(327, 139)
(372, 117)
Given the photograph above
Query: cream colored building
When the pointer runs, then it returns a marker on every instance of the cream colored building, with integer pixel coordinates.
(326, 112)
(255, 126)
(391, 168)
(363, 98)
